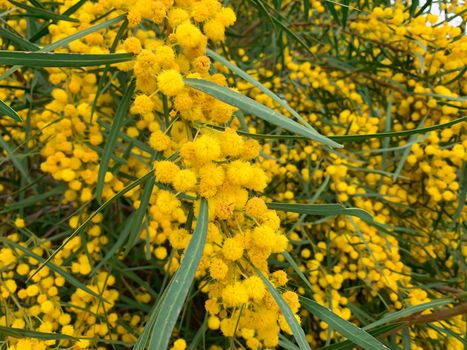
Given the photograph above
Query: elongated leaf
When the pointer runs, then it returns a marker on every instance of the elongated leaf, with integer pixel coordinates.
(27, 202)
(46, 59)
(7, 110)
(18, 40)
(251, 106)
(394, 316)
(65, 41)
(297, 330)
(81, 227)
(45, 29)
(244, 75)
(24, 333)
(82, 33)
(137, 222)
(177, 290)
(357, 335)
(321, 209)
(69, 278)
(109, 147)
(462, 194)
(42, 13)
(14, 159)
(348, 345)
(354, 138)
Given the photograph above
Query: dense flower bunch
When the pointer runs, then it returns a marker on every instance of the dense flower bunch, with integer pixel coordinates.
(411, 186)
(393, 70)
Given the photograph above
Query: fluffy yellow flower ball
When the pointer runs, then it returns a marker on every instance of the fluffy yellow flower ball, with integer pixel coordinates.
(185, 180)
(170, 82)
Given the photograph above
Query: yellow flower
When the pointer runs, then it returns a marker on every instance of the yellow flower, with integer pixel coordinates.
(165, 171)
(232, 249)
(184, 180)
(142, 104)
(170, 82)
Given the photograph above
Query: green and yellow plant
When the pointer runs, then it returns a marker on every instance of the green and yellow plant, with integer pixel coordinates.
(191, 174)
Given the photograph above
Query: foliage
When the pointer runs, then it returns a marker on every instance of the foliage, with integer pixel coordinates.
(193, 174)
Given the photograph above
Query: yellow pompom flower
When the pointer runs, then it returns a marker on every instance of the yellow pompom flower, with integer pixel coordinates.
(185, 180)
(132, 45)
(256, 207)
(142, 104)
(159, 141)
(214, 30)
(165, 170)
(170, 82)
(232, 249)
(255, 288)
(188, 36)
(235, 295)
(218, 269)
(206, 149)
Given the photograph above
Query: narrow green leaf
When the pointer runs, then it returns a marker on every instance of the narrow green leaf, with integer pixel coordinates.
(24, 333)
(7, 110)
(30, 201)
(97, 211)
(82, 33)
(177, 290)
(394, 316)
(348, 345)
(137, 222)
(69, 278)
(357, 335)
(251, 106)
(39, 12)
(321, 209)
(109, 147)
(351, 138)
(67, 40)
(462, 193)
(297, 330)
(18, 40)
(345, 12)
(45, 29)
(14, 159)
(332, 9)
(48, 59)
(244, 75)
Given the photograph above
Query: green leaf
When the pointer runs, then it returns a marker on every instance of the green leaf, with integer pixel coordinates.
(352, 138)
(14, 159)
(65, 41)
(251, 106)
(177, 290)
(18, 40)
(43, 13)
(321, 209)
(69, 278)
(82, 33)
(244, 75)
(48, 59)
(109, 147)
(394, 316)
(357, 335)
(137, 223)
(24, 333)
(30, 201)
(45, 29)
(297, 330)
(348, 345)
(81, 227)
(7, 110)
(462, 194)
